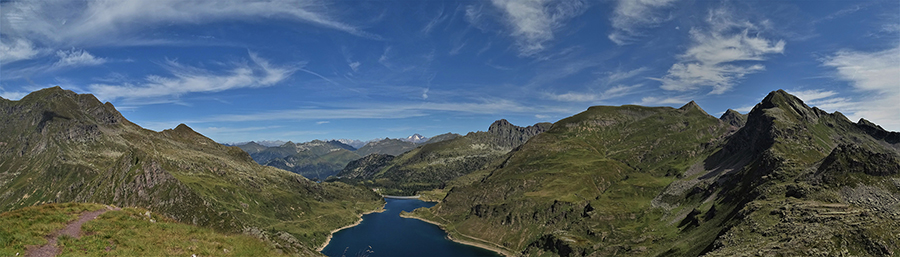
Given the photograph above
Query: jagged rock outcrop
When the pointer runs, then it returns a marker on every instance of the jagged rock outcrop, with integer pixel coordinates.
(505, 134)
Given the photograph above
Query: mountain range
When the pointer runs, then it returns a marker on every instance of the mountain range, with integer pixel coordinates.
(59, 146)
(785, 179)
(319, 159)
(432, 165)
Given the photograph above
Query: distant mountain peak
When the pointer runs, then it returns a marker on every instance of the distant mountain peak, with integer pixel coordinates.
(416, 138)
(355, 143)
(500, 123)
(781, 98)
(692, 106)
(183, 128)
(866, 122)
(734, 118)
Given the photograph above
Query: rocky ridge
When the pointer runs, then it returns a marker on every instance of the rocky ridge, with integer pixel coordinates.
(633, 180)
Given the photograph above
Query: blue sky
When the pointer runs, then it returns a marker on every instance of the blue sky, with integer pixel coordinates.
(317, 69)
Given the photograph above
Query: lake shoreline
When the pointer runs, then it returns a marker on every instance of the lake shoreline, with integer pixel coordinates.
(360, 219)
(401, 197)
(481, 245)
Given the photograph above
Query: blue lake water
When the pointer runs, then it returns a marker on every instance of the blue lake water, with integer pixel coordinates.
(387, 234)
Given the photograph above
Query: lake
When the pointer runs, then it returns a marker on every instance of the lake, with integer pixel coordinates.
(387, 234)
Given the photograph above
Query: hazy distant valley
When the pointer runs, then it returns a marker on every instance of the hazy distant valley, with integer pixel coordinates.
(319, 159)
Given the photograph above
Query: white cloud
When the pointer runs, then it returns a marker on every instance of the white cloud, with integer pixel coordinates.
(19, 49)
(631, 15)
(12, 95)
(812, 95)
(439, 18)
(391, 111)
(610, 93)
(67, 59)
(617, 76)
(322, 122)
(719, 56)
(354, 66)
(654, 100)
(186, 79)
(876, 75)
(475, 16)
(573, 97)
(879, 71)
(532, 22)
(220, 130)
(75, 58)
(101, 22)
(745, 109)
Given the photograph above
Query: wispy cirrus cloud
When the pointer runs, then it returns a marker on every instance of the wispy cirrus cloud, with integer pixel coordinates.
(187, 79)
(630, 16)
(76, 58)
(876, 76)
(18, 49)
(12, 95)
(720, 55)
(533, 22)
(97, 22)
(661, 100)
(619, 75)
(609, 93)
(66, 59)
(813, 94)
(380, 111)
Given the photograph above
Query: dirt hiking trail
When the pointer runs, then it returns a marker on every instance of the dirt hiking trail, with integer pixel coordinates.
(73, 229)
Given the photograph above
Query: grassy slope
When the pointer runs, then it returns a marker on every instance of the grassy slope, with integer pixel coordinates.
(613, 159)
(85, 151)
(129, 232)
(30, 225)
